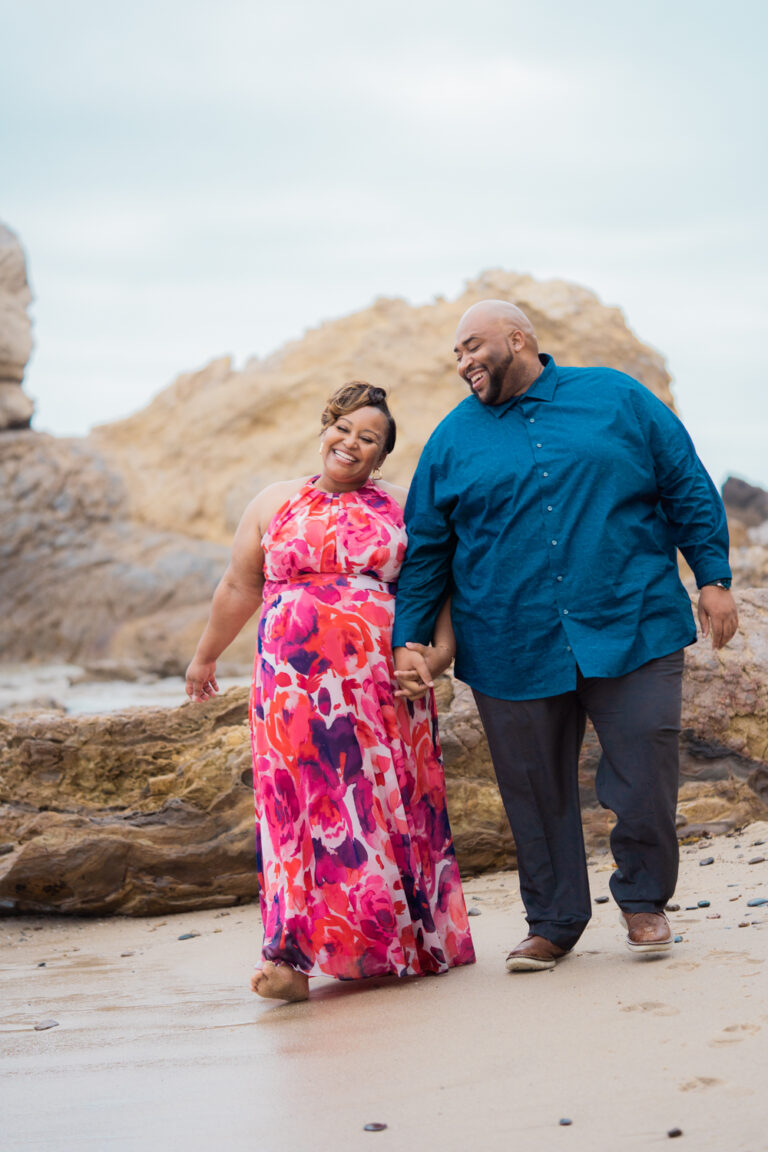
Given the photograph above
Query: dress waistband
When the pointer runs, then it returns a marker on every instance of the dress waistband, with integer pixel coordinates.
(330, 580)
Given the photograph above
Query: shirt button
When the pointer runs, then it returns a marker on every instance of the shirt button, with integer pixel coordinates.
(559, 578)
(538, 445)
(565, 611)
(531, 420)
(554, 542)
(545, 473)
(549, 507)
(568, 648)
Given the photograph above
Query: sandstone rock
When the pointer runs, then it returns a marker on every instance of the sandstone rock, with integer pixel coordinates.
(725, 693)
(15, 333)
(210, 441)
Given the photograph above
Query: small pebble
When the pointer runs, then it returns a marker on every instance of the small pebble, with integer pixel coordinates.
(672, 908)
(473, 912)
(756, 860)
(127, 953)
(674, 1132)
(706, 860)
(374, 1127)
(565, 1121)
(41, 964)
(756, 903)
(44, 1025)
(601, 899)
(691, 907)
(713, 916)
(677, 939)
(743, 923)
(756, 843)
(703, 904)
(187, 935)
(6, 849)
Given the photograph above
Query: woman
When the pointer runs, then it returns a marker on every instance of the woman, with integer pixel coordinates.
(357, 873)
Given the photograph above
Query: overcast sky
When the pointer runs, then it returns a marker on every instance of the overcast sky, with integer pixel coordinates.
(193, 178)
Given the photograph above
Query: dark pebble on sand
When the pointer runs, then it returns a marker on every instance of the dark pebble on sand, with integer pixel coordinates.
(473, 912)
(703, 904)
(41, 964)
(601, 899)
(6, 849)
(691, 907)
(44, 1025)
(706, 860)
(677, 939)
(187, 935)
(671, 907)
(756, 843)
(565, 1121)
(675, 1132)
(374, 1127)
(756, 860)
(756, 903)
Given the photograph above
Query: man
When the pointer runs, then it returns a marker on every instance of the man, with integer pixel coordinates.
(549, 506)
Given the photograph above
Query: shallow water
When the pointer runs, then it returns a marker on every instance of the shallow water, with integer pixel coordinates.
(68, 687)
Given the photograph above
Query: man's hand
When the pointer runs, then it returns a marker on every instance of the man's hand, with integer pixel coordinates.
(717, 614)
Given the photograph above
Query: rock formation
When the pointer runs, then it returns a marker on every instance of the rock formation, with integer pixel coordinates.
(15, 333)
(206, 444)
(150, 811)
(79, 579)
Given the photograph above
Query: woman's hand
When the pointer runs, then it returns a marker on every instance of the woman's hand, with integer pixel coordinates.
(201, 680)
(416, 666)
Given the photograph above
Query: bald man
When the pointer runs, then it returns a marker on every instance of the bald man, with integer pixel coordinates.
(549, 505)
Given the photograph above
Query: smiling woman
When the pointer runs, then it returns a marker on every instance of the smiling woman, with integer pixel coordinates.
(355, 860)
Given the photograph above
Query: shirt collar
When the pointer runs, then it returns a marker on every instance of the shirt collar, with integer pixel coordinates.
(543, 388)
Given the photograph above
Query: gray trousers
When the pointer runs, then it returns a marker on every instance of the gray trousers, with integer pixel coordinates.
(535, 748)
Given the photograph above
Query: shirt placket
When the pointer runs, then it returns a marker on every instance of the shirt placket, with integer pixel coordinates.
(535, 425)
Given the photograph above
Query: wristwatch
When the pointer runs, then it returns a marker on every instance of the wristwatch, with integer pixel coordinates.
(719, 584)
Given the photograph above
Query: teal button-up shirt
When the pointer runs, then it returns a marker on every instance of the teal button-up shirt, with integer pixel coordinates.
(552, 521)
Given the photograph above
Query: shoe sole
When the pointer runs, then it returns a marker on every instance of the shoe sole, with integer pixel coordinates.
(660, 946)
(528, 964)
(651, 946)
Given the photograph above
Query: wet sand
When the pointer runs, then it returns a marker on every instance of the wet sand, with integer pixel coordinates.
(160, 1046)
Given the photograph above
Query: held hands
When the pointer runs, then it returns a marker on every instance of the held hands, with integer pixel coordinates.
(201, 680)
(416, 666)
(717, 614)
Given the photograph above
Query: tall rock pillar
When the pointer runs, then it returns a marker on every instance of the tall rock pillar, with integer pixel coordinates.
(16, 408)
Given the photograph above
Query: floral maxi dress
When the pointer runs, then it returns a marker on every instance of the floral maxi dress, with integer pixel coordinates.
(357, 872)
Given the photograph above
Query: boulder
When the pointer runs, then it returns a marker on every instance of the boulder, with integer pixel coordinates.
(745, 502)
(16, 408)
(81, 581)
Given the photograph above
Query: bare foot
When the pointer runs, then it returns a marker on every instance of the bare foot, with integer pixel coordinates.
(279, 982)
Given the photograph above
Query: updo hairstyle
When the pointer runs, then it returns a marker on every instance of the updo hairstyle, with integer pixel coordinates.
(359, 394)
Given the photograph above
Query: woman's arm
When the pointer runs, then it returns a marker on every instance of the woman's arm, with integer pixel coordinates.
(235, 600)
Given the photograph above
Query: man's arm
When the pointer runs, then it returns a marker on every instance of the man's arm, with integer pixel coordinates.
(696, 514)
(424, 582)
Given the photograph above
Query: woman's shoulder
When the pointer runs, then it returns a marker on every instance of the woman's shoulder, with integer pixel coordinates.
(266, 503)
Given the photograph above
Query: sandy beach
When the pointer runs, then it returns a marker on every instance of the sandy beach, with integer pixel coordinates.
(158, 1044)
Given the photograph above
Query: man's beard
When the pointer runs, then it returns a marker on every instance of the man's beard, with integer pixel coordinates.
(496, 379)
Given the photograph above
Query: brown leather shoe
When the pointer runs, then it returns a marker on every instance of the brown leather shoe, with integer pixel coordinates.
(646, 931)
(534, 954)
